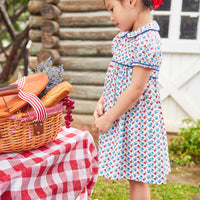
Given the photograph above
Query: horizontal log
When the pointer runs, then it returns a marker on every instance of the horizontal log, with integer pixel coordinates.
(85, 78)
(50, 27)
(76, 20)
(88, 33)
(34, 7)
(51, 1)
(94, 19)
(35, 21)
(78, 34)
(43, 54)
(34, 48)
(50, 42)
(86, 92)
(81, 6)
(32, 62)
(85, 48)
(84, 107)
(49, 11)
(82, 122)
(79, 48)
(35, 35)
(85, 63)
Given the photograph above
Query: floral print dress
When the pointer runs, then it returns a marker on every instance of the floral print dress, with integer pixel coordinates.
(135, 147)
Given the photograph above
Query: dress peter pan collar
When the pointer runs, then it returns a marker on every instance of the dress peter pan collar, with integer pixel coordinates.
(152, 26)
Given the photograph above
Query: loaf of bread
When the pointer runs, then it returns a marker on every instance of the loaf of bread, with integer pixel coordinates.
(56, 94)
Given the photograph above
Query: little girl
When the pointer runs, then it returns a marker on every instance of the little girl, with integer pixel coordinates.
(133, 141)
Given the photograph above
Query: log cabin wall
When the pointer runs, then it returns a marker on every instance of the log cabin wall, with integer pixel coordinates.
(77, 34)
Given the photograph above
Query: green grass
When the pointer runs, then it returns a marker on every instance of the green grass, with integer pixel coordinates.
(118, 190)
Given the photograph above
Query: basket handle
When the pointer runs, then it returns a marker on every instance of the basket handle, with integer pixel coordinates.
(32, 99)
(8, 90)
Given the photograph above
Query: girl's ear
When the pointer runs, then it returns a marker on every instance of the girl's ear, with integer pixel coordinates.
(132, 3)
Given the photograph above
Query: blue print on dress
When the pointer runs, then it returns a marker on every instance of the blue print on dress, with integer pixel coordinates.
(135, 147)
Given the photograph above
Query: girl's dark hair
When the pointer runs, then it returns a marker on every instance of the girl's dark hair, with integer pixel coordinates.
(147, 3)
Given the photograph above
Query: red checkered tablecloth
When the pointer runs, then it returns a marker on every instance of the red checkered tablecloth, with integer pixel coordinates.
(64, 169)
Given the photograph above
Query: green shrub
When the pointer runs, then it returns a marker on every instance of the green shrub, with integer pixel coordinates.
(185, 148)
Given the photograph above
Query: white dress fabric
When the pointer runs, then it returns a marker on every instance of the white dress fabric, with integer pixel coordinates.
(135, 147)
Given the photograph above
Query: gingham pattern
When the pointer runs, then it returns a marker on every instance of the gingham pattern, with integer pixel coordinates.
(135, 147)
(66, 168)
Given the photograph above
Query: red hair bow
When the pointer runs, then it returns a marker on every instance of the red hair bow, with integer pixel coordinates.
(156, 4)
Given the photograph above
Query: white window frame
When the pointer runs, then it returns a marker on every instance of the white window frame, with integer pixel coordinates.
(173, 43)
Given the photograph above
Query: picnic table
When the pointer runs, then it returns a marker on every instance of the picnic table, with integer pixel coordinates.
(66, 168)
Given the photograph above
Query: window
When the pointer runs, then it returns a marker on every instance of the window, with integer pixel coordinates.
(188, 27)
(163, 22)
(190, 6)
(179, 19)
(163, 19)
(189, 23)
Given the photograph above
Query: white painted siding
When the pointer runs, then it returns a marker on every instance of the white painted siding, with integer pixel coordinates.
(180, 71)
(180, 88)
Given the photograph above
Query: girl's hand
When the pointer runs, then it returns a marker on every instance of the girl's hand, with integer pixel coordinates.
(98, 111)
(102, 124)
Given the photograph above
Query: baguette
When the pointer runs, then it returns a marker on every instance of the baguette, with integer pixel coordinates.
(56, 94)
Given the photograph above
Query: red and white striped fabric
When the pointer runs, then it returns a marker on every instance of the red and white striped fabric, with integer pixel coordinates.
(66, 168)
(32, 99)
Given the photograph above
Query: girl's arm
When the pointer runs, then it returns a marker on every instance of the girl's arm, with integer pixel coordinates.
(99, 108)
(129, 97)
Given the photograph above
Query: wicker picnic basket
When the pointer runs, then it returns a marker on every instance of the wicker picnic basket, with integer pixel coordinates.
(22, 132)
(15, 133)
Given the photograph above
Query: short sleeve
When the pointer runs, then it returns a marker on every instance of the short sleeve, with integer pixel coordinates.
(146, 50)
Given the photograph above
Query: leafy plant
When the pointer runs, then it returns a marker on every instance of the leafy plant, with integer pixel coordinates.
(13, 36)
(185, 148)
(55, 74)
(18, 13)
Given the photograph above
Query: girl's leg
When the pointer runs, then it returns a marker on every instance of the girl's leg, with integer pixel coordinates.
(138, 190)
